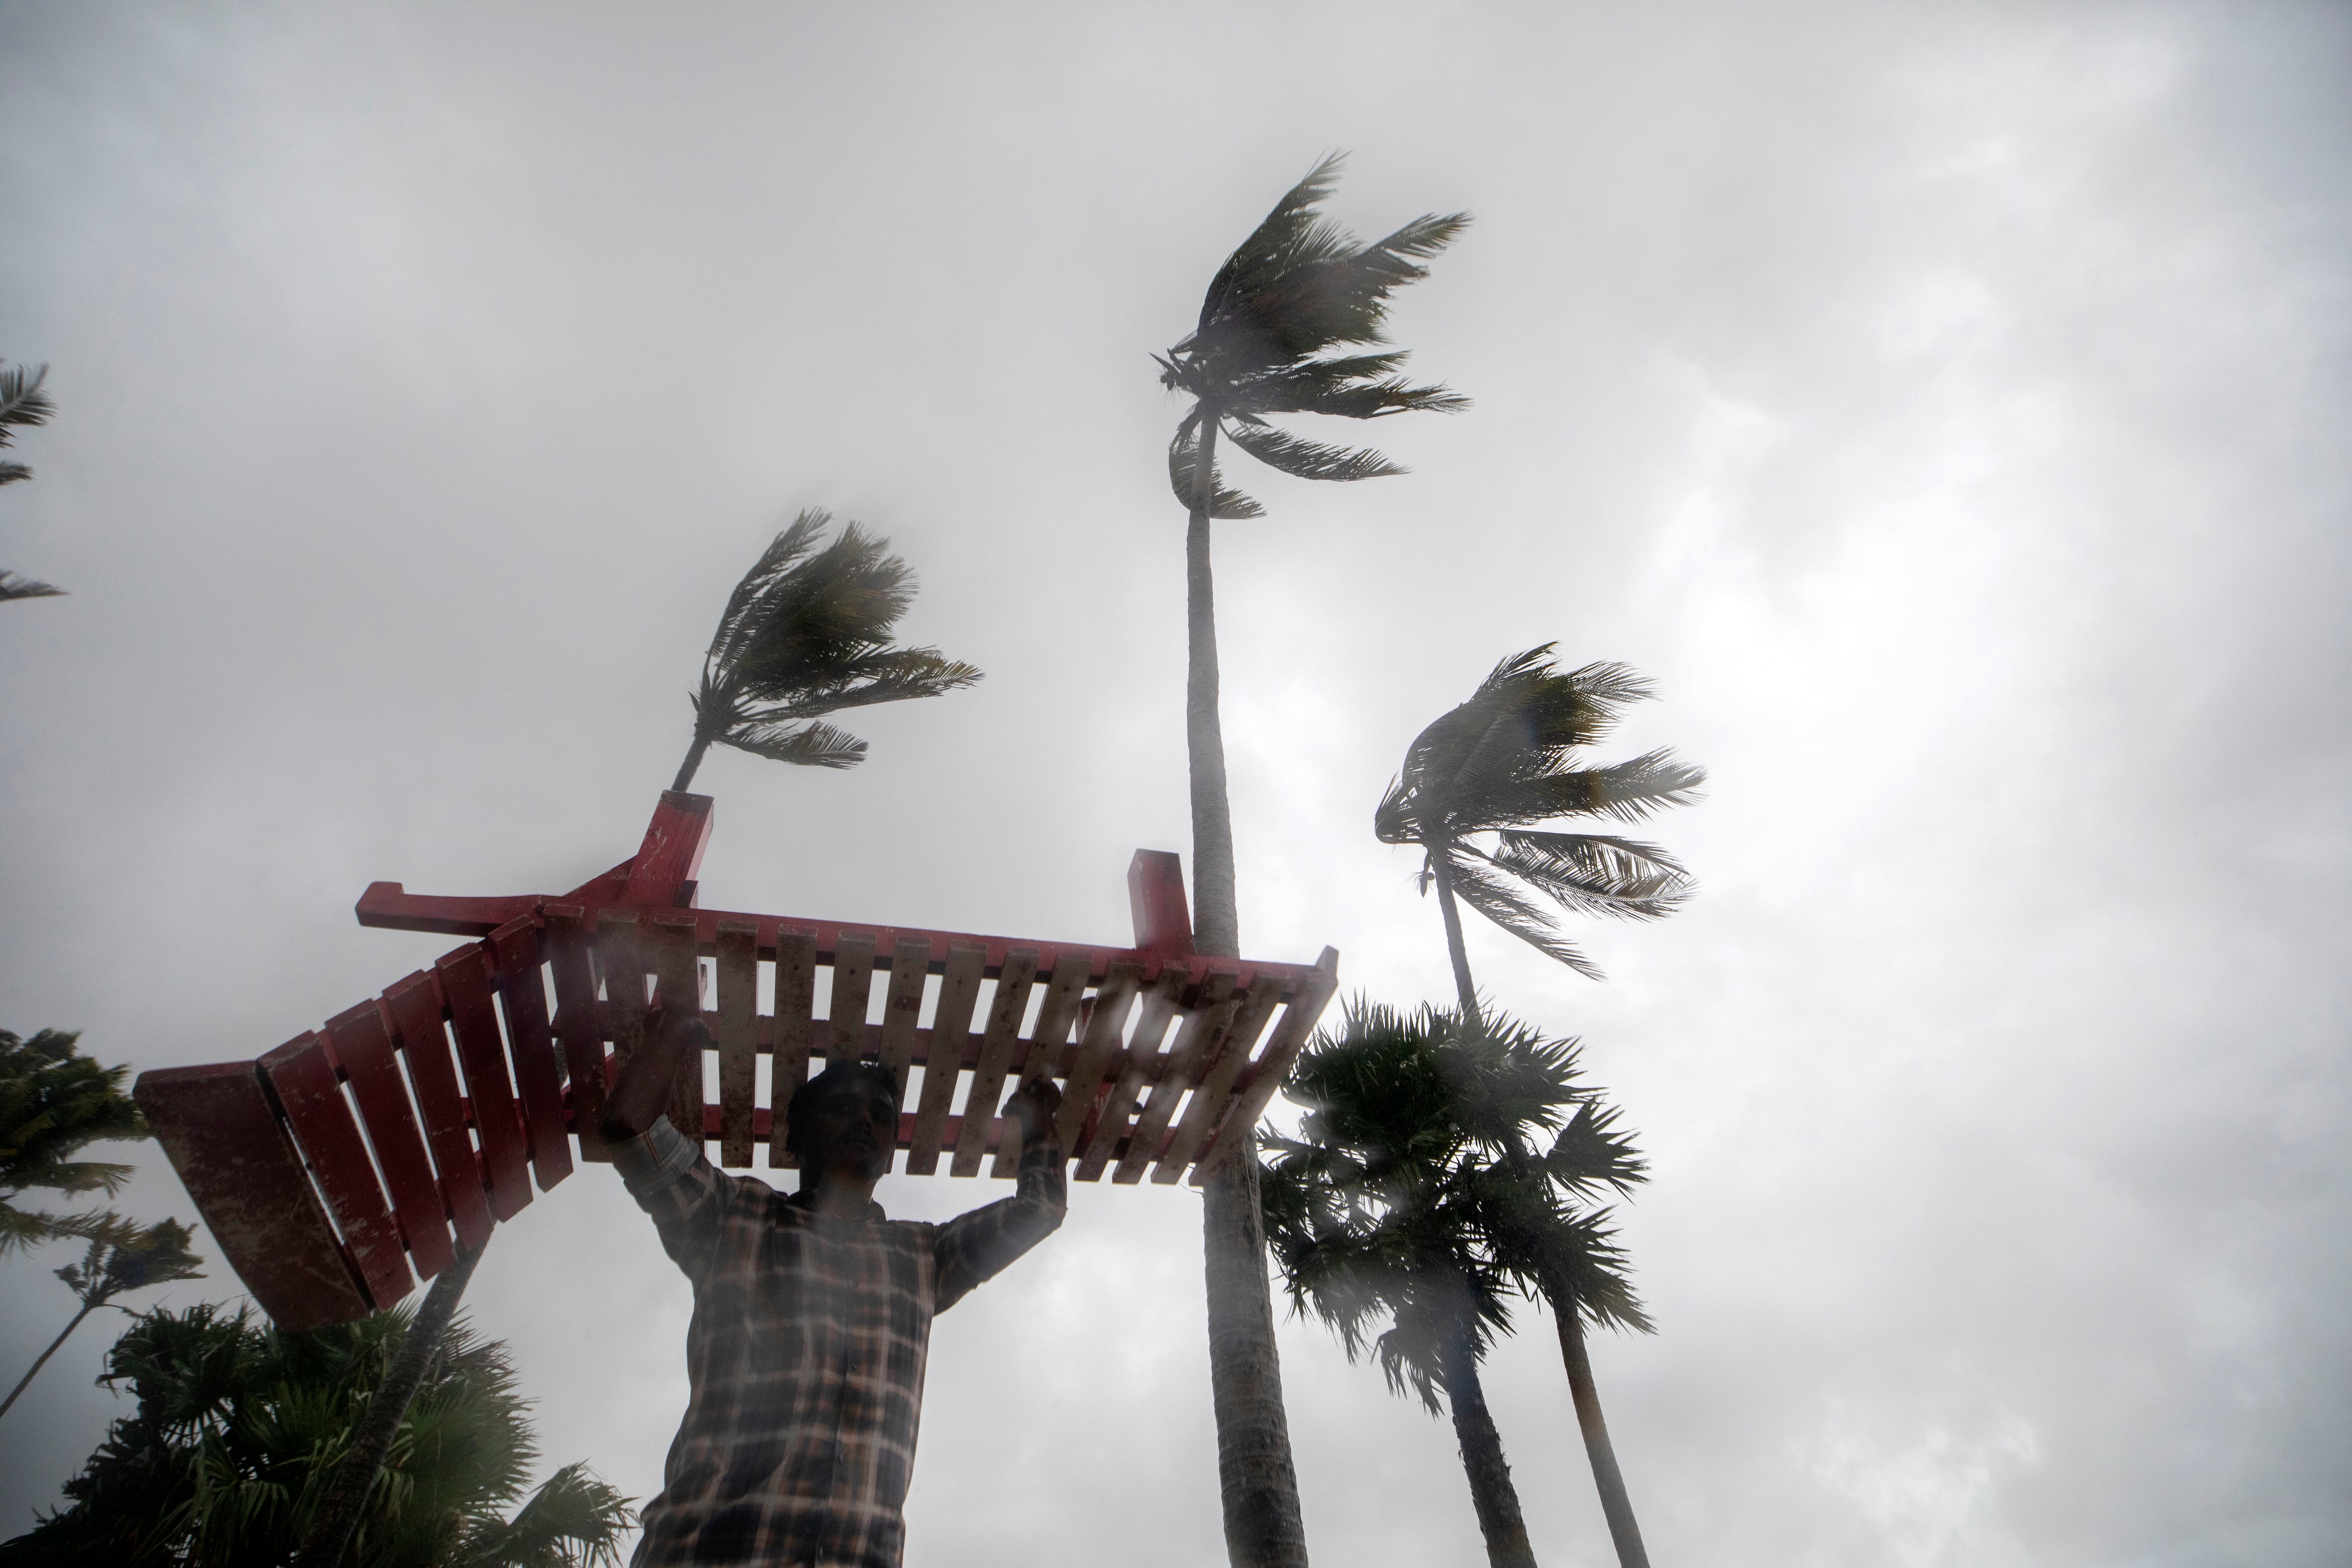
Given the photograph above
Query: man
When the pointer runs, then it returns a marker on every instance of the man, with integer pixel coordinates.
(811, 1312)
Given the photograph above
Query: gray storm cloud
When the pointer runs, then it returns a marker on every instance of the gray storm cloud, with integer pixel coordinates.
(1943, 406)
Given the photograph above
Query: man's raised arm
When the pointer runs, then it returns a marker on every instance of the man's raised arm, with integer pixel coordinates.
(664, 1168)
(976, 1247)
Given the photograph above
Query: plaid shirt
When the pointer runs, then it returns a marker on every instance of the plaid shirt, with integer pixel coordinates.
(805, 1356)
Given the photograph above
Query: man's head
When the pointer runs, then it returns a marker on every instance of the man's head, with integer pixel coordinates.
(844, 1123)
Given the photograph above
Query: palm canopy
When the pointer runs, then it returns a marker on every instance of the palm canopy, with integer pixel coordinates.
(22, 403)
(53, 1101)
(1440, 1165)
(238, 1427)
(807, 633)
(1298, 288)
(1510, 758)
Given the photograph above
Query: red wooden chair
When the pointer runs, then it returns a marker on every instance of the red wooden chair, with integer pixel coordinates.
(354, 1158)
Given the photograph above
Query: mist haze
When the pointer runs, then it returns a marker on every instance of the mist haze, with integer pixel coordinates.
(1945, 406)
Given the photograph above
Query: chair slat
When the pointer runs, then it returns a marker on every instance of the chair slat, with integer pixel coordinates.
(1105, 1032)
(303, 1078)
(1230, 1052)
(853, 985)
(466, 987)
(237, 1162)
(415, 1004)
(1139, 1061)
(1042, 1056)
(950, 1032)
(1211, 1009)
(364, 1048)
(737, 968)
(1298, 1020)
(580, 1025)
(1004, 1018)
(678, 981)
(910, 961)
(516, 950)
(795, 1032)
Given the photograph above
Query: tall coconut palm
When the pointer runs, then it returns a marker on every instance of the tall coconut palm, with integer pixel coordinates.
(1509, 759)
(238, 1427)
(1296, 290)
(122, 1257)
(1415, 1190)
(22, 403)
(1497, 766)
(807, 633)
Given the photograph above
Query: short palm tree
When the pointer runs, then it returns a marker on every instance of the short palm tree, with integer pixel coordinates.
(807, 633)
(123, 1258)
(1509, 759)
(22, 403)
(1298, 289)
(1416, 1191)
(54, 1101)
(238, 1426)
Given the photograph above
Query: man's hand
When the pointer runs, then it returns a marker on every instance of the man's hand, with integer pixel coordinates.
(1031, 1107)
(642, 1091)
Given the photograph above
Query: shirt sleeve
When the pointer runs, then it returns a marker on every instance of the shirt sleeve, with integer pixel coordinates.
(685, 1194)
(976, 1247)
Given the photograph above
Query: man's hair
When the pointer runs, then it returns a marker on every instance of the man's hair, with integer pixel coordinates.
(837, 1076)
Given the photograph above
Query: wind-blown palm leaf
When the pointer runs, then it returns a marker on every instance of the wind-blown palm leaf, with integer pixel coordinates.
(807, 632)
(1307, 460)
(54, 1101)
(15, 588)
(22, 403)
(1183, 477)
(1510, 758)
(1297, 287)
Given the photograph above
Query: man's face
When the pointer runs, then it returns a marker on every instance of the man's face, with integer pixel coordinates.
(851, 1132)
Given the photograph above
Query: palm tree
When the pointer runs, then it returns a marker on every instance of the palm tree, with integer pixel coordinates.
(1501, 762)
(125, 1257)
(1298, 289)
(22, 403)
(1507, 759)
(238, 1426)
(1413, 1192)
(53, 1102)
(807, 633)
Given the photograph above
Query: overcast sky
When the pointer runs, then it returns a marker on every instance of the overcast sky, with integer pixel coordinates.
(1945, 405)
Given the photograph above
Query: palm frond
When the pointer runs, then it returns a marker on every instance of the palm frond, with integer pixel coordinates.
(1183, 476)
(22, 403)
(1307, 460)
(11, 585)
(1630, 790)
(1495, 898)
(811, 744)
(1594, 873)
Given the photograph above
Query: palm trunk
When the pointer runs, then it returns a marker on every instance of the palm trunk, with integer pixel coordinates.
(329, 1538)
(26, 1382)
(1464, 989)
(1614, 1504)
(1491, 1493)
(693, 761)
(1256, 1476)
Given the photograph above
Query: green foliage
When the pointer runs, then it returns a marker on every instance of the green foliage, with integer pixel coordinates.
(127, 1257)
(1511, 757)
(807, 633)
(238, 1429)
(53, 1102)
(22, 403)
(1420, 1190)
(1297, 288)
